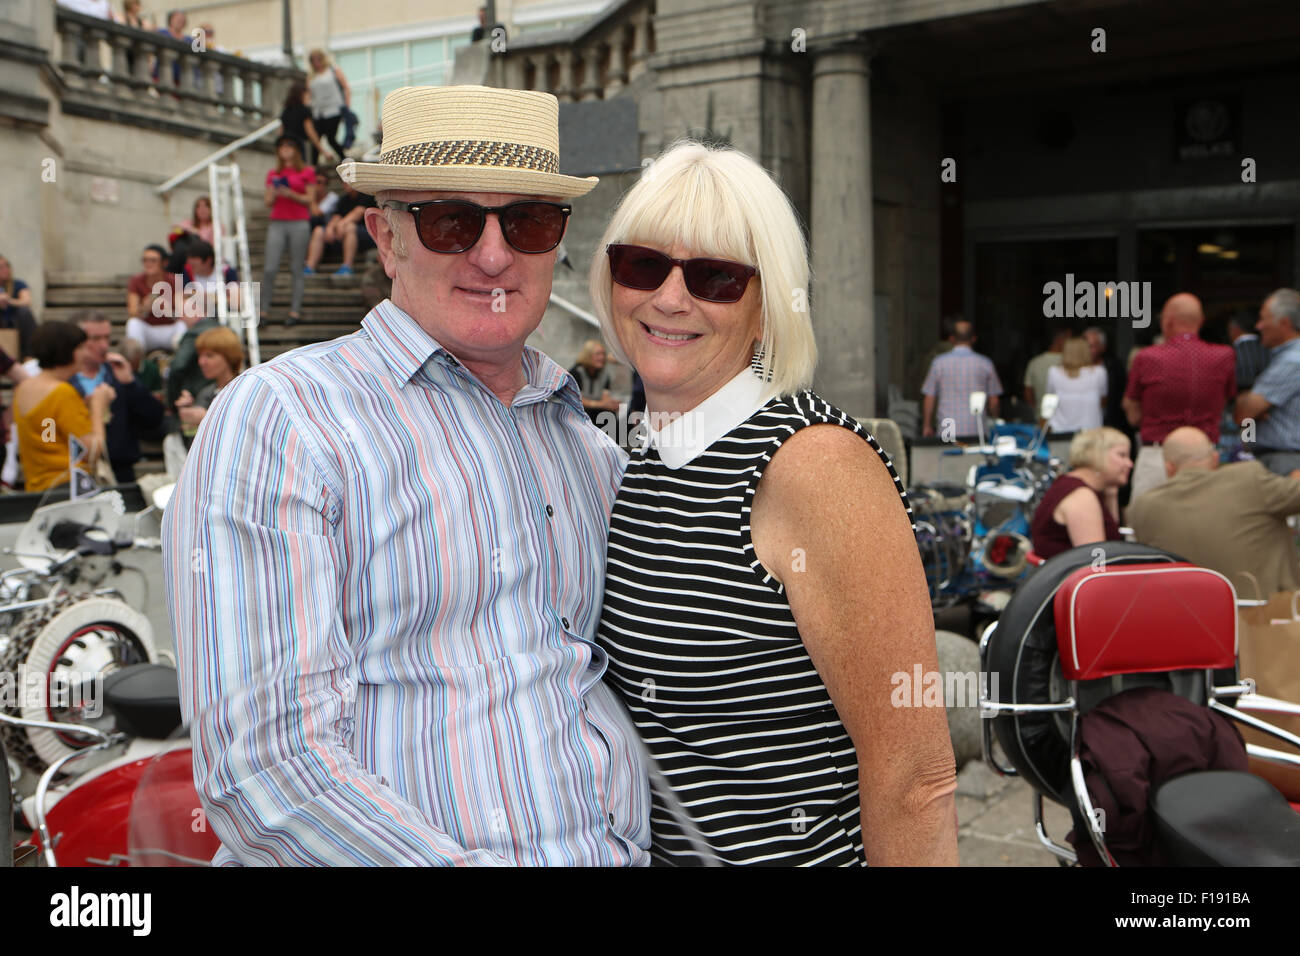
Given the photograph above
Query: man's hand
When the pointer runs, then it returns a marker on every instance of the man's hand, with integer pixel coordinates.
(102, 396)
(185, 399)
(121, 368)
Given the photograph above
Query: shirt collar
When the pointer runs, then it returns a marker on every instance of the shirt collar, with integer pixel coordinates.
(407, 348)
(1246, 337)
(684, 439)
(961, 348)
(1279, 349)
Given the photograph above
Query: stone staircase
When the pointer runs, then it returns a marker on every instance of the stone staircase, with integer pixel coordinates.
(332, 305)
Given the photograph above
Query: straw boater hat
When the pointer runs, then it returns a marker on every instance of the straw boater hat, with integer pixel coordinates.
(471, 139)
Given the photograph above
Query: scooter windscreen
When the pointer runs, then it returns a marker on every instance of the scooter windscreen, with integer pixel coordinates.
(168, 826)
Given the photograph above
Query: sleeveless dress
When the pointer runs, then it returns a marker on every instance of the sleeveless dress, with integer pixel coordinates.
(704, 650)
(1049, 538)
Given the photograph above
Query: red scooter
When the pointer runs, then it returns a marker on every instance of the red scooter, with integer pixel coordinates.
(1101, 623)
(139, 807)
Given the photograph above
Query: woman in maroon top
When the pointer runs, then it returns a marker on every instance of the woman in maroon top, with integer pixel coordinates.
(1082, 506)
(290, 194)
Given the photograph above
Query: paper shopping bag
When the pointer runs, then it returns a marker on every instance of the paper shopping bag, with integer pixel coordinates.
(1268, 651)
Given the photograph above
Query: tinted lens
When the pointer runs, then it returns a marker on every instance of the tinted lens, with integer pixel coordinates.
(637, 267)
(450, 225)
(533, 226)
(716, 280)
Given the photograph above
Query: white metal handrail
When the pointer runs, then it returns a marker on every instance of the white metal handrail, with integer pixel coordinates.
(217, 156)
(581, 313)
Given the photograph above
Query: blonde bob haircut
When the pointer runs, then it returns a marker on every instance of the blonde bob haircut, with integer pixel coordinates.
(1088, 449)
(718, 202)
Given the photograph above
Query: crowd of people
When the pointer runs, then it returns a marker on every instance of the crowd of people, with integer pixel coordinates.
(1216, 473)
(1187, 406)
(73, 388)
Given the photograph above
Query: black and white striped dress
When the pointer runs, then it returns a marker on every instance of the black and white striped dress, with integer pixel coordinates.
(704, 650)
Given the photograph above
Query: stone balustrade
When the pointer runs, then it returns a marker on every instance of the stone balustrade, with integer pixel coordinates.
(136, 75)
(591, 62)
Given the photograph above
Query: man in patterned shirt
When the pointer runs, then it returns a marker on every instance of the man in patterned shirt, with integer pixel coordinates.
(386, 554)
(1274, 401)
(1182, 381)
(950, 381)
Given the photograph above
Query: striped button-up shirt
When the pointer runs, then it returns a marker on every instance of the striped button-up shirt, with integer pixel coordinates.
(384, 585)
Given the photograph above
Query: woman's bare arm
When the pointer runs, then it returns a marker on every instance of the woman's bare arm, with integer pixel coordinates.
(828, 523)
(1080, 512)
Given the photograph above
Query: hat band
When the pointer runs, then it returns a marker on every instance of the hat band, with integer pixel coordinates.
(473, 152)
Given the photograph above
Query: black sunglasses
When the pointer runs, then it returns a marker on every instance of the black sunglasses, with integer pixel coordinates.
(713, 280)
(449, 226)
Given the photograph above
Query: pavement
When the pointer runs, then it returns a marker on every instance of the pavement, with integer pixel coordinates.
(995, 818)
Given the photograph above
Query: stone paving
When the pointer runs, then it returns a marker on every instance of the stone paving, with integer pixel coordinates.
(995, 817)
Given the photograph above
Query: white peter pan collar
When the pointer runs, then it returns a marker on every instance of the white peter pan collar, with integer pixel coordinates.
(684, 439)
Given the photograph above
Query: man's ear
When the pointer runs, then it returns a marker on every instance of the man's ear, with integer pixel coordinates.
(377, 226)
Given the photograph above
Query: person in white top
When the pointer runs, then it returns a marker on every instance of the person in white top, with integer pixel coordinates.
(1080, 386)
(91, 8)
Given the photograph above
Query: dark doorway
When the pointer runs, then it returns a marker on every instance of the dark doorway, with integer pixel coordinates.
(1009, 300)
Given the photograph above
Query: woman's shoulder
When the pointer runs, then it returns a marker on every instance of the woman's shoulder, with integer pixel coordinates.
(35, 392)
(801, 409)
(847, 447)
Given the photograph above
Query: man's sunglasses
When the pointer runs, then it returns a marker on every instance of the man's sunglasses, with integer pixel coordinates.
(713, 280)
(449, 226)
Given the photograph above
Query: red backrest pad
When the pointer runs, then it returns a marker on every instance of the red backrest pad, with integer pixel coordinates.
(1136, 618)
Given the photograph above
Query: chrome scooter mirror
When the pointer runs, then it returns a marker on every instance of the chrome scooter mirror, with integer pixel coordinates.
(1047, 408)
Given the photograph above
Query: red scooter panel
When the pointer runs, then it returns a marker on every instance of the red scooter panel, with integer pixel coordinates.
(1140, 618)
(92, 824)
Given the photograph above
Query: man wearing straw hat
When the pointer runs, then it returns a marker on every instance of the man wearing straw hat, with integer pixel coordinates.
(386, 552)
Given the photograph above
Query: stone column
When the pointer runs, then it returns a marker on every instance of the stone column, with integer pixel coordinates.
(121, 71)
(842, 242)
(617, 77)
(565, 91)
(591, 88)
(640, 44)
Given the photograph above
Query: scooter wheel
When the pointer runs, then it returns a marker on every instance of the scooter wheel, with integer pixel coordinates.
(57, 658)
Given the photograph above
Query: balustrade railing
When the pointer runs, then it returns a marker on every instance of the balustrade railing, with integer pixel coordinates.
(137, 71)
(591, 62)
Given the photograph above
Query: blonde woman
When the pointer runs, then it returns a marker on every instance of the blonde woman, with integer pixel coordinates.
(1080, 386)
(330, 96)
(750, 633)
(1082, 506)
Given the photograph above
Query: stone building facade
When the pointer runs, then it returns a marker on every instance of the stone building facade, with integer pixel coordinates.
(954, 155)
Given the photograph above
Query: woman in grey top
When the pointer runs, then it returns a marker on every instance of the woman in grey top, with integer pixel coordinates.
(330, 93)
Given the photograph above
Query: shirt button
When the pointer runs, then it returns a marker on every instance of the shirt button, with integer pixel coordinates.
(611, 819)
(565, 622)
(550, 512)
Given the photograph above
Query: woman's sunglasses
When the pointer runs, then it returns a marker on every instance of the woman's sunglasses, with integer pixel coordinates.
(448, 226)
(713, 280)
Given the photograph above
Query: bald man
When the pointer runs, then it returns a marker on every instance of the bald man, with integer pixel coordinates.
(1230, 518)
(1182, 381)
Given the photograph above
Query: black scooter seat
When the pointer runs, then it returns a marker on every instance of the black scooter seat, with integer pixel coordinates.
(1225, 818)
(145, 700)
